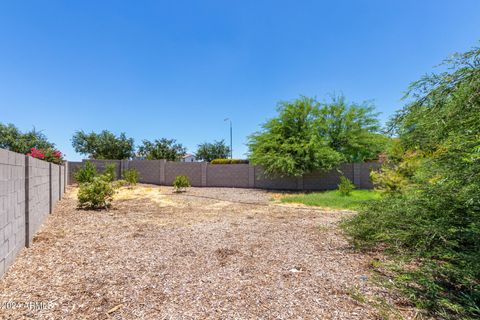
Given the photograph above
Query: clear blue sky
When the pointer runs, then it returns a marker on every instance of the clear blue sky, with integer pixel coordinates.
(176, 69)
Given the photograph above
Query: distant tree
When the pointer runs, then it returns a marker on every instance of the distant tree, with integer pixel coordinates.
(307, 135)
(11, 138)
(103, 145)
(167, 149)
(209, 151)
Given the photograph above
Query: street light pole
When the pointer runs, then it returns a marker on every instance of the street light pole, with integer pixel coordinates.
(231, 145)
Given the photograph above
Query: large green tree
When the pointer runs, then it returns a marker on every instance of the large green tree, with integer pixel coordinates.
(209, 151)
(351, 129)
(103, 145)
(430, 215)
(167, 149)
(11, 138)
(308, 135)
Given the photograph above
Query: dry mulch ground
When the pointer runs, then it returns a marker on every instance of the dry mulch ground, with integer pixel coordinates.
(210, 253)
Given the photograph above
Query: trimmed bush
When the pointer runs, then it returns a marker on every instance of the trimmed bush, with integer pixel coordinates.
(96, 194)
(229, 161)
(181, 183)
(345, 187)
(131, 176)
(110, 172)
(85, 174)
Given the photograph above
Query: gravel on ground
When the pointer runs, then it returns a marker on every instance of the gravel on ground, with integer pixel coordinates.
(209, 253)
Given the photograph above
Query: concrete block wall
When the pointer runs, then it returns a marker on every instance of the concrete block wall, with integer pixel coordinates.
(193, 170)
(150, 171)
(228, 175)
(72, 167)
(12, 207)
(55, 193)
(363, 171)
(203, 174)
(274, 183)
(63, 181)
(29, 188)
(327, 180)
(38, 195)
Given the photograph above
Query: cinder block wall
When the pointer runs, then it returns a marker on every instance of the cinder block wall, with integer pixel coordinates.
(193, 170)
(275, 183)
(29, 188)
(150, 171)
(228, 175)
(38, 194)
(12, 207)
(202, 174)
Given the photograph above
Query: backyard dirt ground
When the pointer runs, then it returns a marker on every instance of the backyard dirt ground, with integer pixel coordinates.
(210, 253)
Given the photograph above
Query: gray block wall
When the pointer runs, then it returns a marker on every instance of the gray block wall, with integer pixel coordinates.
(72, 167)
(38, 194)
(150, 171)
(228, 175)
(363, 171)
(193, 170)
(327, 180)
(12, 207)
(261, 181)
(29, 188)
(203, 174)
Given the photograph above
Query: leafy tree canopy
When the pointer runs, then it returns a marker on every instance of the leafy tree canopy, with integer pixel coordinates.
(350, 129)
(308, 135)
(167, 149)
(11, 138)
(103, 145)
(210, 151)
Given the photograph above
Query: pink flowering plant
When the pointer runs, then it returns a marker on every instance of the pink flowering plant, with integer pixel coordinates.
(48, 154)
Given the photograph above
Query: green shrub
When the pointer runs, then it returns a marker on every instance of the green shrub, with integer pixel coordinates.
(229, 161)
(398, 176)
(110, 172)
(181, 183)
(85, 174)
(96, 194)
(345, 187)
(131, 176)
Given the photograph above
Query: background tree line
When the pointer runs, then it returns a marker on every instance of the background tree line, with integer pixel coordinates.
(106, 145)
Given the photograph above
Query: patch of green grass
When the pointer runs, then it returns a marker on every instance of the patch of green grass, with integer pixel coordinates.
(333, 199)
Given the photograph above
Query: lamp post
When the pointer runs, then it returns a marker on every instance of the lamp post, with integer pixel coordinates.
(231, 146)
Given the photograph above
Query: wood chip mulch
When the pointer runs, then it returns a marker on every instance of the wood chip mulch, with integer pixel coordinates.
(209, 253)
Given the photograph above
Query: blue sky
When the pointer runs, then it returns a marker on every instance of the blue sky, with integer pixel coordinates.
(176, 69)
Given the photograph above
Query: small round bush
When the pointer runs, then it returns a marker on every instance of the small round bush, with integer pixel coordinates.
(97, 194)
(131, 176)
(181, 183)
(85, 174)
(346, 186)
(110, 172)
